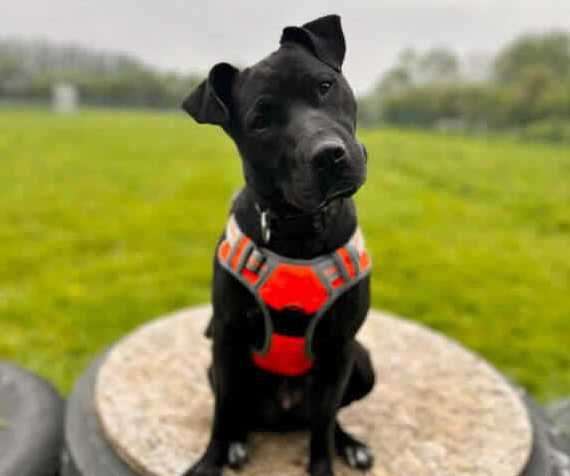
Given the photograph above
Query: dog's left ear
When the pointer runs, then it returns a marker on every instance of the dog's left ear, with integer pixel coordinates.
(211, 101)
(323, 37)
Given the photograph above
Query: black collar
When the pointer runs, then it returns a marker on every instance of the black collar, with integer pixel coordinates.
(272, 222)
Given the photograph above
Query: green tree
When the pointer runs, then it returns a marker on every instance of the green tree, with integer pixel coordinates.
(438, 65)
(549, 51)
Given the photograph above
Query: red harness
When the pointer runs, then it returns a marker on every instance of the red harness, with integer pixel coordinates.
(279, 283)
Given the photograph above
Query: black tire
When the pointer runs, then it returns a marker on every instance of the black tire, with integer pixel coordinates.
(540, 462)
(31, 424)
(86, 452)
(559, 415)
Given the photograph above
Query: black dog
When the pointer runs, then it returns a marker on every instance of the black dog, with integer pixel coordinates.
(293, 119)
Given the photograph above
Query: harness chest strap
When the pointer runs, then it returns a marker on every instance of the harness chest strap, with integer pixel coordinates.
(279, 283)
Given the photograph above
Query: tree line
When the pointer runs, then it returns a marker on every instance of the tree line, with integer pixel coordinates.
(30, 69)
(525, 87)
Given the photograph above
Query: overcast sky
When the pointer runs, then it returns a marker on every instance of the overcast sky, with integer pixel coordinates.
(192, 35)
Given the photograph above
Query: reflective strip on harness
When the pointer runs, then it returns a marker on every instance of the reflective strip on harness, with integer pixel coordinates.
(280, 283)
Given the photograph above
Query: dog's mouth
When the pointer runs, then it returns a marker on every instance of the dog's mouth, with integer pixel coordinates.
(342, 192)
(344, 185)
(312, 203)
(339, 192)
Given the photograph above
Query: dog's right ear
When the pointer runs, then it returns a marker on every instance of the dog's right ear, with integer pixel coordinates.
(211, 101)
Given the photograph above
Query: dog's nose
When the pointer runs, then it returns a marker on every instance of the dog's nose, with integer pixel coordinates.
(329, 155)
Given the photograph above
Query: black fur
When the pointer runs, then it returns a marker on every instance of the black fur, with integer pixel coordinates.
(323, 37)
(293, 119)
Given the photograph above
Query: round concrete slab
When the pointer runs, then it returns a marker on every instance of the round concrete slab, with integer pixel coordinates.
(31, 424)
(437, 410)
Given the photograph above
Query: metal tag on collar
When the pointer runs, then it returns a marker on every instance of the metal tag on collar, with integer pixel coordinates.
(265, 228)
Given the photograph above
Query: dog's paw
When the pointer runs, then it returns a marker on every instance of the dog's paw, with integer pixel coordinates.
(357, 455)
(322, 468)
(237, 455)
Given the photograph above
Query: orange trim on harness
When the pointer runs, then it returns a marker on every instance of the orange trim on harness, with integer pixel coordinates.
(237, 255)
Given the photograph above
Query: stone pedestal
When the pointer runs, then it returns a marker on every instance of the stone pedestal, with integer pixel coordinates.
(437, 409)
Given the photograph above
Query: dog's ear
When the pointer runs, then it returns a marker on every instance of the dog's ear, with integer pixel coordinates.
(323, 37)
(211, 101)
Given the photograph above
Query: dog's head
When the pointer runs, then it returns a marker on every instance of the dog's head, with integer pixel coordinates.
(292, 117)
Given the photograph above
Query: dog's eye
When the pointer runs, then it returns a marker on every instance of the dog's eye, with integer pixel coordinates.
(324, 87)
(260, 122)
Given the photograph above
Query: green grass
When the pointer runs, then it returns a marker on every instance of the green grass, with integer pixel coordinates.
(110, 219)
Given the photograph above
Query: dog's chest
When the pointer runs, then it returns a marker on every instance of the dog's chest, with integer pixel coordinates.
(292, 295)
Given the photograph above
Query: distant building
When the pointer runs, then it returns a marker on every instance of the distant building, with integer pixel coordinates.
(65, 98)
(451, 124)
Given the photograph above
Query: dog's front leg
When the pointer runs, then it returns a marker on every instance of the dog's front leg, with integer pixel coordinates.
(231, 370)
(331, 373)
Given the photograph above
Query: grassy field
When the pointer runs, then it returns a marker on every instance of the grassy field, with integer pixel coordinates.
(108, 219)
